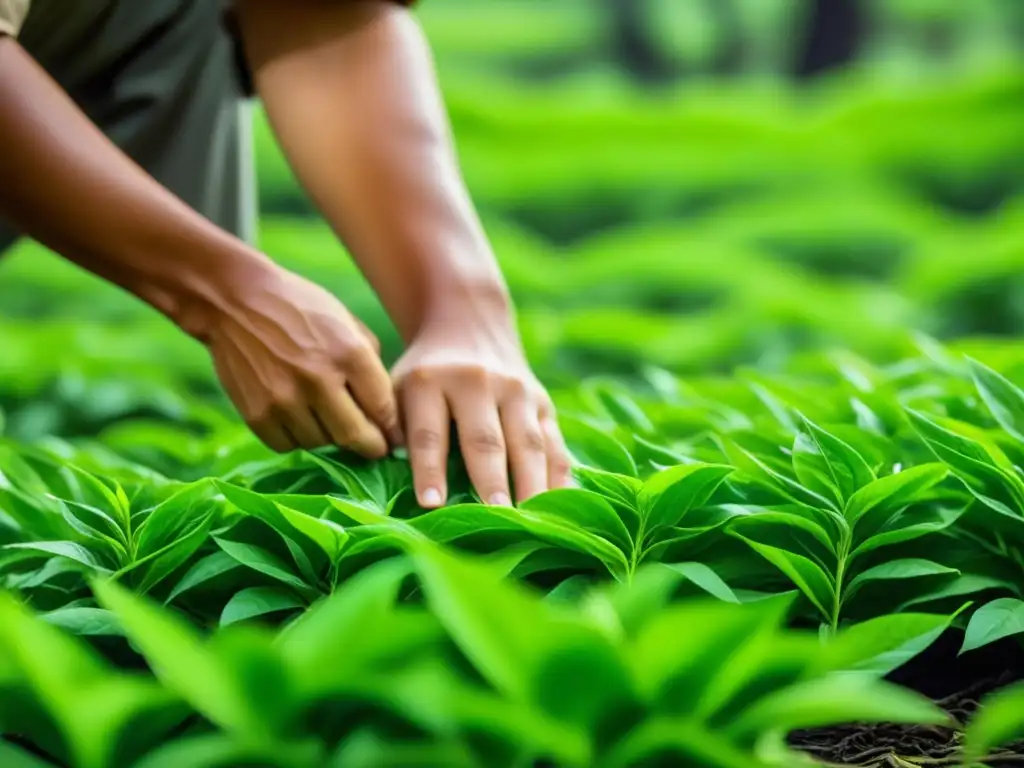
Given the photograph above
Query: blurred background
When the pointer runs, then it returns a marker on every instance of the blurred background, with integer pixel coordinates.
(691, 185)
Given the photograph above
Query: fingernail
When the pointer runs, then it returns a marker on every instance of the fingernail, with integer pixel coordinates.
(500, 499)
(431, 498)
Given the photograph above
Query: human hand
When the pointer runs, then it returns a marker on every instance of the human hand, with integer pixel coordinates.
(301, 369)
(504, 418)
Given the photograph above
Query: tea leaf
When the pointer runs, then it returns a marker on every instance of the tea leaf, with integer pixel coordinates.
(842, 699)
(993, 621)
(258, 601)
(1003, 398)
(999, 721)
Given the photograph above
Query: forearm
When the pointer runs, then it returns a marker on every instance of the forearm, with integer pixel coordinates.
(65, 184)
(350, 91)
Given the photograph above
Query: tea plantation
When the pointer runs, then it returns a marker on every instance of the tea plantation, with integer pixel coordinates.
(779, 324)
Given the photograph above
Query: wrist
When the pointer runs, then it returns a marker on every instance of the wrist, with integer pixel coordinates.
(469, 304)
(206, 285)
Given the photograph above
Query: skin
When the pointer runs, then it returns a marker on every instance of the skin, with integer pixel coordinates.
(350, 92)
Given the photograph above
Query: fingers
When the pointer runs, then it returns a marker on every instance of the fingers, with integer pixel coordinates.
(483, 443)
(303, 427)
(504, 427)
(274, 436)
(427, 426)
(527, 448)
(374, 392)
(370, 336)
(559, 465)
(345, 424)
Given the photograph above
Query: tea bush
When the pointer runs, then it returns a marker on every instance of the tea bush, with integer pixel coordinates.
(744, 557)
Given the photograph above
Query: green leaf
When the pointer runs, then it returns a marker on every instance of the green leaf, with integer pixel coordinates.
(690, 642)
(594, 447)
(813, 471)
(793, 524)
(328, 536)
(685, 741)
(334, 656)
(634, 602)
(968, 584)
(620, 406)
(880, 645)
(847, 468)
(500, 625)
(759, 471)
(168, 522)
(930, 520)
(68, 549)
(1004, 399)
(906, 568)
(887, 495)
(667, 496)
(705, 578)
(620, 489)
(258, 601)
(367, 749)
(217, 750)
(1000, 721)
(449, 524)
(831, 700)
(332, 640)
(262, 561)
(90, 703)
(184, 664)
(529, 649)
(969, 458)
(994, 621)
(204, 570)
(813, 582)
(585, 509)
(157, 566)
(83, 620)
(15, 757)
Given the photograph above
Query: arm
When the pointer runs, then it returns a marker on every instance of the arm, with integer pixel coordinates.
(350, 92)
(278, 343)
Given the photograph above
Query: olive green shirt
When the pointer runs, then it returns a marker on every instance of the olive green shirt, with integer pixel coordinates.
(13, 13)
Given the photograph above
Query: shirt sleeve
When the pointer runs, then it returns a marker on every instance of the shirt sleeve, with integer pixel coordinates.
(230, 21)
(12, 16)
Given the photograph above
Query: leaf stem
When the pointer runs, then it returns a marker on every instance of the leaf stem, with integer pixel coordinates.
(843, 555)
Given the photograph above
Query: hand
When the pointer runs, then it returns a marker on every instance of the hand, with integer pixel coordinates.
(301, 369)
(503, 416)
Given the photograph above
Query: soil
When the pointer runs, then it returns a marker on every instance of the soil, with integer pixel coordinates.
(955, 683)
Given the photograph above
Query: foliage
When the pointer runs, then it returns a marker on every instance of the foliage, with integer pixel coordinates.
(742, 557)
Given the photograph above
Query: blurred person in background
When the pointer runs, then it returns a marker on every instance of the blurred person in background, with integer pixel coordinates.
(124, 148)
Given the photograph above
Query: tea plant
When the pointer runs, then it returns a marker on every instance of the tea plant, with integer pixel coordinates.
(623, 680)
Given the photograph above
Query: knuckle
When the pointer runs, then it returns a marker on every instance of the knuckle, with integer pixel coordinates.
(515, 387)
(560, 465)
(476, 376)
(355, 355)
(533, 441)
(417, 378)
(283, 399)
(424, 439)
(486, 441)
(385, 412)
(259, 418)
